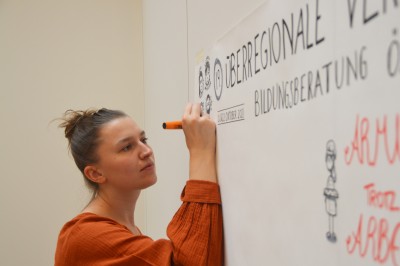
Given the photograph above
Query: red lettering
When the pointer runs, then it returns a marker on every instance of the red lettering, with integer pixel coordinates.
(364, 126)
(391, 196)
(381, 243)
(354, 148)
(370, 196)
(370, 237)
(394, 248)
(355, 239)
(366, 151)
(381, 199)
(396, 152)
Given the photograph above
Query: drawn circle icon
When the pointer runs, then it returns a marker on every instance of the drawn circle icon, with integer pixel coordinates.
(218, 79)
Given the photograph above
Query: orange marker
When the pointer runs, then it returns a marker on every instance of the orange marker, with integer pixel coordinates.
(172, 125)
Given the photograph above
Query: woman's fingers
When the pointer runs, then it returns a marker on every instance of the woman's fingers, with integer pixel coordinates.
(199, 130)
(201, 140)
(193, 110)
(188, 110)
(196, 110)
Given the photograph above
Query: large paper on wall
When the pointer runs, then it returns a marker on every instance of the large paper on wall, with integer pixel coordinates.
(306, 97)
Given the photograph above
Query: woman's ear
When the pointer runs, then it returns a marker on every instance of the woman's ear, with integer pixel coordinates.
(93, 174)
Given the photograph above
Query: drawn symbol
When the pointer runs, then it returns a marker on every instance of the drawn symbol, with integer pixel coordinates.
(207, 73)
(201, 83)
(218, 79)
(208, 104)
(330, 192)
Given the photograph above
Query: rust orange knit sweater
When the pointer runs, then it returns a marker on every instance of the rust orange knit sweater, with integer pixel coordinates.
(195, 236)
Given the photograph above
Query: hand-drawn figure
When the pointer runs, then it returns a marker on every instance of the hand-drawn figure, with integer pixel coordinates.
(208, 104)
(201, 83)
(207, 73)
(330, 193)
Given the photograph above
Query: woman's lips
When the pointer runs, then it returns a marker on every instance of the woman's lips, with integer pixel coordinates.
(148, 166)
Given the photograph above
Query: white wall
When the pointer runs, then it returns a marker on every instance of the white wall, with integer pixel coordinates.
(56, 55)
(209, 21)
(272, 166)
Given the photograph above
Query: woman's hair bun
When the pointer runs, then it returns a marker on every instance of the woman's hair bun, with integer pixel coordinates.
(72, 119)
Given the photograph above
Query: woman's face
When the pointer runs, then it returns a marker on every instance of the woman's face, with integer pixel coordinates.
(125, 158)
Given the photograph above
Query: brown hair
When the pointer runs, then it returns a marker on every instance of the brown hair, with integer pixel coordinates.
(82, 131)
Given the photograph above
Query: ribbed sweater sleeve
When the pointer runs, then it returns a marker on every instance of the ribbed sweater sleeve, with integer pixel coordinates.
(196, 229)
(195, 236)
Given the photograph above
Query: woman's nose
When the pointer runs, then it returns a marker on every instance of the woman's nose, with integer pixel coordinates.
(146, 151)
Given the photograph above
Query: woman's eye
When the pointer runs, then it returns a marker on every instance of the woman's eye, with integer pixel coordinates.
(127, 147)
(144, 140)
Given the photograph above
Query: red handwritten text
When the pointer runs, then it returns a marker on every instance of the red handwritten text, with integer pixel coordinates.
(366, 141)
(381, 199)
(377, 238)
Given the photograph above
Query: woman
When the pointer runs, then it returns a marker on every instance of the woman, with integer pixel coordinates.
(117, 163)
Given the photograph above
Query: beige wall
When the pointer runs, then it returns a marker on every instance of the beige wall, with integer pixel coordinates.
(166, 93)
(56, 55)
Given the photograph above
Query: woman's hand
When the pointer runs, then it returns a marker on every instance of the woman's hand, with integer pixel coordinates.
(201, 141)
